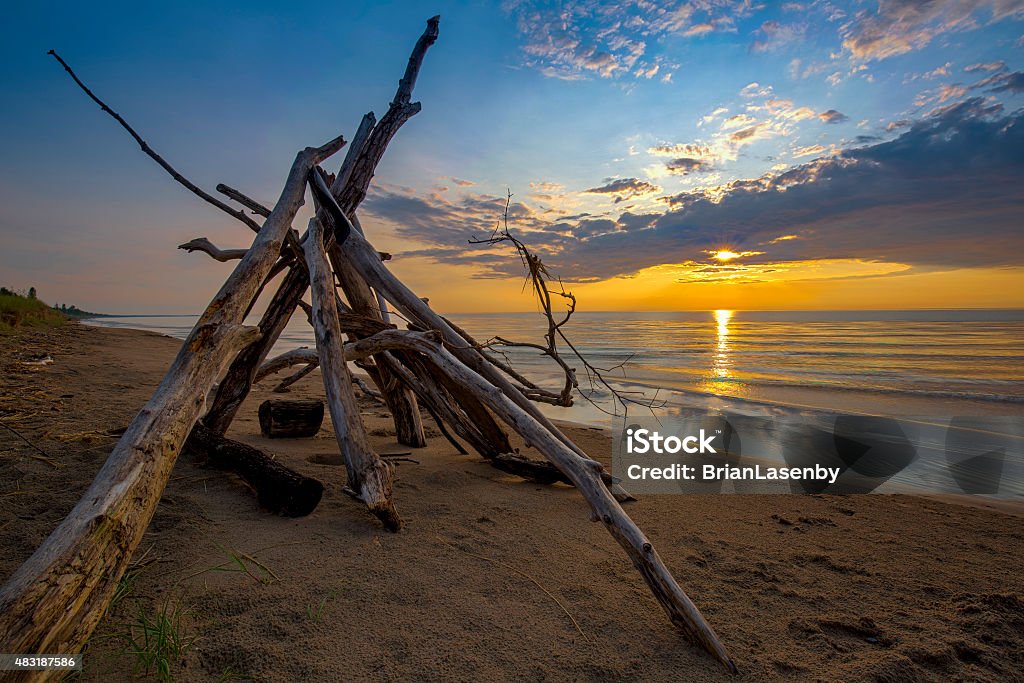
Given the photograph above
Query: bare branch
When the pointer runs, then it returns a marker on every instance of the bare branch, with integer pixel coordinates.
(244, 200)
(203, 244)
(538, 278)
(188, 184)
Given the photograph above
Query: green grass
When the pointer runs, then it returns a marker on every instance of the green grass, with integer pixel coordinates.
(17, 311)
(158, 640)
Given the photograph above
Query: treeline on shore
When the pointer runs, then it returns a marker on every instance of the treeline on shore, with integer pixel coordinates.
(18, 308)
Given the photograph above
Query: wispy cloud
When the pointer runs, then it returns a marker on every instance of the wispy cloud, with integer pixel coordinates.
(625, 188)
(773, 35)
(833, 116)
(900, 26)
(607, 39)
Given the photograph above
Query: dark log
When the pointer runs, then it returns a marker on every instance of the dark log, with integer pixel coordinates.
(537, 471)
(282, 419)
(279, 489)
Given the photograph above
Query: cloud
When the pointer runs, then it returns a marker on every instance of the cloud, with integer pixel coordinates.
(943, 194)
(1012, 82)
(699, 30)
(755, 89)
(687, 165)
(985, 66)
(751, 134)
(679, 149)
(460, 182)
(578, 39)
(773, 35)
(901, 26)
(737, 121)
(808, 151)
(625, 188)
(833, 116)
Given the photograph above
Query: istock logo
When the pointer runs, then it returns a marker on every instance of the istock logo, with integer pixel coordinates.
(640, 441)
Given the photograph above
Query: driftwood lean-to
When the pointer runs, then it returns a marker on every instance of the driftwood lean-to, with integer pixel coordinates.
(54, 600)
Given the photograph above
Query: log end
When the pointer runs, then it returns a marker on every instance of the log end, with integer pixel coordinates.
(298, 500)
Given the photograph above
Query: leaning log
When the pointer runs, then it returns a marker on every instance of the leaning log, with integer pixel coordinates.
(583, 472)
(279, 489)
(54, 600)
(280, 419)
(370, 477)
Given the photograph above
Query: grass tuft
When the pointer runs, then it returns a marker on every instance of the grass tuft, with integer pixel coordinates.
(158, 640)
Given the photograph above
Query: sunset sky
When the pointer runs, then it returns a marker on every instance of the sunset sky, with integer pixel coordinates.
(662, 156)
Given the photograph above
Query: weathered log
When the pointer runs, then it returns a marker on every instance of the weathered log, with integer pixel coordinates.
(300, 356)
(144, 146)
(349, 189)
(537, 471)
(242, 199)
(443, 407)
(583, 472)
(281, 419)
(216, 253)
(368, 475)
(278, 488)
(54, 600)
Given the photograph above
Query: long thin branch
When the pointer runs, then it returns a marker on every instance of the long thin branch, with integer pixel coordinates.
(188, 184)
(244, 200)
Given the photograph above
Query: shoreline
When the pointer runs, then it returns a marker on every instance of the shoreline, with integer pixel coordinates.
(808, 587)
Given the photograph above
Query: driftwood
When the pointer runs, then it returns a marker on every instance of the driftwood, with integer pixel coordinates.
(279, 489)
(283, 385)
(369, 476)
(539, 472)
(300, 356)
(291, 419)
(54, 600)
(217, 254)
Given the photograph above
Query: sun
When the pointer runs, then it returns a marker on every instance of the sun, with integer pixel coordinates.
(725, 255)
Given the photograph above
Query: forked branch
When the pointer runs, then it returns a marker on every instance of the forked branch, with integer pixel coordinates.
(539, 279)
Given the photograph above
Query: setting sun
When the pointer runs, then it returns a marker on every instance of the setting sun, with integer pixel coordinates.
(725, 255)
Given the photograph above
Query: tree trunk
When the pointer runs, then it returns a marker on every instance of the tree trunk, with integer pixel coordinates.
(280, 419)
(369, 476)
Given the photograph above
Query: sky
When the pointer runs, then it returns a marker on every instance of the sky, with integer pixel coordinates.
(693, 155)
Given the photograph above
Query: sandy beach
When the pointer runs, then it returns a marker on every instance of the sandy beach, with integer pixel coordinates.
(493, 578)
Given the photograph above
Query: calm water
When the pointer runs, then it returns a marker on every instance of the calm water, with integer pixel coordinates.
(881, 362)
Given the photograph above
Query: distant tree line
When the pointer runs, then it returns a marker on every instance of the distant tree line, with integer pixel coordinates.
(72, 311)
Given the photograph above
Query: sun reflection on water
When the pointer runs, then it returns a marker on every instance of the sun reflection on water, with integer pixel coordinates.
(722, 379)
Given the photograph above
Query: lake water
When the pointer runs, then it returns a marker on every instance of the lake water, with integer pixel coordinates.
(958, 362)
(941, 374)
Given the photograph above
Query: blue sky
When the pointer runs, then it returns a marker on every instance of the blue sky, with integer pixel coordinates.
(710, 153)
